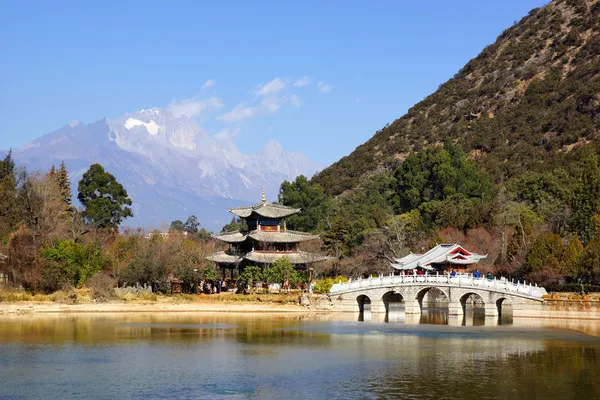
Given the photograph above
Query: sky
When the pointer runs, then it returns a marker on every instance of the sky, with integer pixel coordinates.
(320, 77)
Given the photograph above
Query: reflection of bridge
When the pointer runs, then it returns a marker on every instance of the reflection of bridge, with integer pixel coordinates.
(378, 294)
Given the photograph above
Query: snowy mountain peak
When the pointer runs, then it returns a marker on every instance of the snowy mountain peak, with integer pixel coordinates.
(152, 127)
(272, 148)
(169, 165)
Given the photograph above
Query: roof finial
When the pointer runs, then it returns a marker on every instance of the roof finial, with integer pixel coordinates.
(263, 197)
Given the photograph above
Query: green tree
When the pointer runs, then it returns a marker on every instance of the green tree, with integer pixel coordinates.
(590, 258)
(9, 210)
(105, 200)
(236, 224)
(192, 225)
(69, 262)
(586, 198)
(210, 273)
(177, 225)
(445, 185)
(64, 183)
(250, 275)
(310, 199)
(282, 271)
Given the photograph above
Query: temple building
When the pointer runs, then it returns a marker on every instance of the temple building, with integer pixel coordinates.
(441, 258)
(263, 239)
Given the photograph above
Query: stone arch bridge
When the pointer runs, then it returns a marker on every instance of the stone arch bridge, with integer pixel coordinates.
(378, 294)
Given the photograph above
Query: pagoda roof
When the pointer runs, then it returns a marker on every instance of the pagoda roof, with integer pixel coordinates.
(223, 257)
(264, 209)
(281, 237)
(442, 253)
(298, 257)
(231, 237)
(286, 236)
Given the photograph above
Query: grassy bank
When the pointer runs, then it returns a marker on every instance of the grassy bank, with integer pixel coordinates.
(83, 296)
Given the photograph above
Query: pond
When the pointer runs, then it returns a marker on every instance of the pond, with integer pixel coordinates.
(295, 356)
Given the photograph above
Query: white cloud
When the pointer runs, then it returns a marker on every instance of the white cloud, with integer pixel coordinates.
(239, 113)
(209, 83)
(268, 100)
(270, 105)
(324, 87)
(194, 107)
(295, 100)
(273, 87)
(227, 134)
(304, 81)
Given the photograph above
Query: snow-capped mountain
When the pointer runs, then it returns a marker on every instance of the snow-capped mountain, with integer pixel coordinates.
(170, 167)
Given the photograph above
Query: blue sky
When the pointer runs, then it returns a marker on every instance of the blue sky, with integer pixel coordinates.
(320, 77)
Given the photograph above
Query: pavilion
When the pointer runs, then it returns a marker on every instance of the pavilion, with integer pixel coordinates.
(264, 239)
(441, 258)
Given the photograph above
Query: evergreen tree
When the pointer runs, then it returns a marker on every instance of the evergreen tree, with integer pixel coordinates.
(64, 184)
(9, 211)
(104, 199)
(586, 198)
(192, 225)
(177, 225)
(311, 199)
(52, 172)
(236, 224)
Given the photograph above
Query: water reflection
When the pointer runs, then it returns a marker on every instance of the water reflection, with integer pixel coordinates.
(233, 356)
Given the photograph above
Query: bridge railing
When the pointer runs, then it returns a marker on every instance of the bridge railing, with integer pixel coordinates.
(463, 280)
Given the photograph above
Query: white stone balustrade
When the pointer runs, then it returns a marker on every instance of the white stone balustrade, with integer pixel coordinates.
(501, 285)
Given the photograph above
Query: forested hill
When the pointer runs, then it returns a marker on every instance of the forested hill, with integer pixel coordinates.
(526, 101)
(503, 158)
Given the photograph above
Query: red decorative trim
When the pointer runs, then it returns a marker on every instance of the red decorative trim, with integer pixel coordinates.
(459, 249)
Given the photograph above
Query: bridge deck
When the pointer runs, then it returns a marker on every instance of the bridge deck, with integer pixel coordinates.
(502, 285)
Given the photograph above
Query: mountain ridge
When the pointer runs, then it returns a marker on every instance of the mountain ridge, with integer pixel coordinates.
(168, 164)
(492, 106)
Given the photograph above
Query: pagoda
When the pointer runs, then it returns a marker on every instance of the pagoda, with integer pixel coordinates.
(263, 239)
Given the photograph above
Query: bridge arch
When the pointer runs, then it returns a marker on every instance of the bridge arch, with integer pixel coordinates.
(502, 303)
(471, 298)
(392, 300)
(364, 303)
(431, 289)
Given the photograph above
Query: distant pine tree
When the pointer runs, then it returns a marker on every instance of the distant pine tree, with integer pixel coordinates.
(64, 183)
(9, 210)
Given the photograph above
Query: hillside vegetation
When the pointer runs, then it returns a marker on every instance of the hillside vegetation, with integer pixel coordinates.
(527, 100)
(502, 157)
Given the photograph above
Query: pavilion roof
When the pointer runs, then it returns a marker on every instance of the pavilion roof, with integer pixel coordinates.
(231, 237)
(286, 236)
(281, 237)
(298, 257)
(223, 257)
(264, 209)
(442, 253)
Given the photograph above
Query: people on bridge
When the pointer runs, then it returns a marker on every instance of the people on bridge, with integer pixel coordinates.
(453, 273)
(477, 274)
(489, 276)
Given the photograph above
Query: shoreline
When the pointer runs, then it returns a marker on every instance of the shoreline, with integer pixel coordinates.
(256, 307)
(11, 308)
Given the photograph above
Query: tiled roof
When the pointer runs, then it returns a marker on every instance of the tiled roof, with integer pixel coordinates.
(222, 257)
(281, 237)
(299, 257)
(442, 253)
(270, 237)
(267, 210)
(231, 237)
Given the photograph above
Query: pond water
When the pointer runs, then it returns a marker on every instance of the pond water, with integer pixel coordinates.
(283, 356)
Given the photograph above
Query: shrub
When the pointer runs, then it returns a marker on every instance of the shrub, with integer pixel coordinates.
(102, 287)
(573, 288)
(324, 285)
